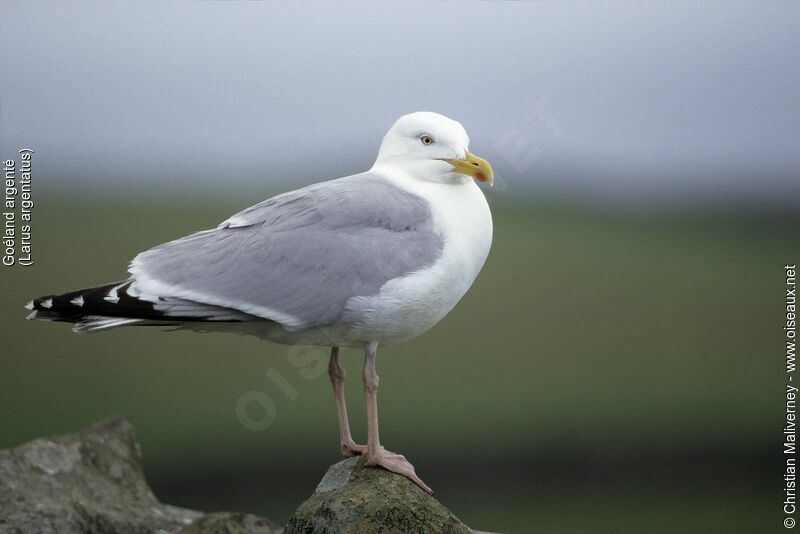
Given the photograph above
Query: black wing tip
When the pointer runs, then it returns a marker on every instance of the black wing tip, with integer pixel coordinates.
(44, 303)
(74, 304)
(109, 301)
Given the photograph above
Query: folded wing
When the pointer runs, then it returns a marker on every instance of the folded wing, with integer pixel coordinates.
(297, 258)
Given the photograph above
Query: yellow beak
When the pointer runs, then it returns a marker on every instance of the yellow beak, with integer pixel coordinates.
(474, 166)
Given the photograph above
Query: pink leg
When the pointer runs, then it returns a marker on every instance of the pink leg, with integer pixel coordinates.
(337, 374)
(377, 455)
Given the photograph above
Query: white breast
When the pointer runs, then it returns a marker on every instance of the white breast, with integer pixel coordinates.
(408, 306)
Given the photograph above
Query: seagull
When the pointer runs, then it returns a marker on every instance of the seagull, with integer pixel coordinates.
(373, 258)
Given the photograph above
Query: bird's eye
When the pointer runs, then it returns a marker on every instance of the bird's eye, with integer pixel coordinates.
(426, 139)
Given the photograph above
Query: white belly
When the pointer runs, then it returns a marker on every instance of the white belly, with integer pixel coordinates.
(408, 306)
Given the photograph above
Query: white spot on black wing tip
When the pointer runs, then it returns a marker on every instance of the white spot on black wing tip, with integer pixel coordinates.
(47, 303)
(113, 296)
(29, 306)
(77, 301)
(31, 316)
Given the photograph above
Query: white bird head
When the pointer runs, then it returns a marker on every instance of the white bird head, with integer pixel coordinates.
(431, 146)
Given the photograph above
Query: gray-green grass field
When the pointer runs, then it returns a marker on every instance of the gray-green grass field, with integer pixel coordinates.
(608, 372)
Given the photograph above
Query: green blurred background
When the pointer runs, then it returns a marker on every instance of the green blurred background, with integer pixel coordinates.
(609, 371)
(617, 366)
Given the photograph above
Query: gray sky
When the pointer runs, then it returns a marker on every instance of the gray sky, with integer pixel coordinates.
(626, 101)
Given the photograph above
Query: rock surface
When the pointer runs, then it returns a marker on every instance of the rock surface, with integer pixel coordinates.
(93, 482)
(230, 523)
(353, 499)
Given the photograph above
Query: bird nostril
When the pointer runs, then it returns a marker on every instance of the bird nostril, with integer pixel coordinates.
(474, 163)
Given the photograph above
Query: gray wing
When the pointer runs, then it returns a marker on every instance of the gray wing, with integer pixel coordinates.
(297, 258)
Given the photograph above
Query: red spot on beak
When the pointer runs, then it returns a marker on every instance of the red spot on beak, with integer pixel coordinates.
(481, 177)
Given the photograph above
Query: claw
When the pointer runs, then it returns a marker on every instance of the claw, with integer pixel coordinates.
(397, 463)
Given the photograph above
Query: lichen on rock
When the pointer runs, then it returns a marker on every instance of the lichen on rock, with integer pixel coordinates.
(353, 498)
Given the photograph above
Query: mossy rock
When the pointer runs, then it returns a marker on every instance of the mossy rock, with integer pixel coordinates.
(353, 498)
